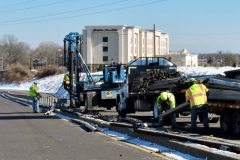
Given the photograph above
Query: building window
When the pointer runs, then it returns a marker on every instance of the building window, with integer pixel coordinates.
(105, 49)
(105, 39)
(105, 58)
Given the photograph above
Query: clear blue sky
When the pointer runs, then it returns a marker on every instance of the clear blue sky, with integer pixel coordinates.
(200, 26)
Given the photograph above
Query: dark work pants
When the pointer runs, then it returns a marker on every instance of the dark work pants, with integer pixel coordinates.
(199, 109)
(173, 117)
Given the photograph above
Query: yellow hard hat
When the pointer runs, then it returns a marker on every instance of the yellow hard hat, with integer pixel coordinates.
(163, 96)
(192, 81)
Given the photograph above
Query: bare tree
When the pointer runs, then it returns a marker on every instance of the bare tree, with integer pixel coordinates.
(13, 51)
(47, 51)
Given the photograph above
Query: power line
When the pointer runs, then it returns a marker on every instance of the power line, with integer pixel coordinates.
(133, 6)
(17, 4)
(44, 5)
(65, 12)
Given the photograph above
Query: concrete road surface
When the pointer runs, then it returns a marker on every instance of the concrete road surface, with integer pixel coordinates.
(25, 135)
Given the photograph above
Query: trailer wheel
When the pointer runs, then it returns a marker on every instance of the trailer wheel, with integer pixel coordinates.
(225, 121)
(236, 123)
(155, 112)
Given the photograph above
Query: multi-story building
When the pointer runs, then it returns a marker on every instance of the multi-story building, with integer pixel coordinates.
(183, 58)
(120, 44)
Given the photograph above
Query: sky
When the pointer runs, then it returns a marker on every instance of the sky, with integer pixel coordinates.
(200, 26)
(52, 85)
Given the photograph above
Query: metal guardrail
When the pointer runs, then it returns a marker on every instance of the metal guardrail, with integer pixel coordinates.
(51, 102)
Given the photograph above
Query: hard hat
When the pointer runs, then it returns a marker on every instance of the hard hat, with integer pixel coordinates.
(163, 96)
(192, 81)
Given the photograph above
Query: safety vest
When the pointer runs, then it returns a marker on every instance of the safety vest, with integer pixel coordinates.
(33, 90)
(66, 79)
(170, 100)
(196, 94)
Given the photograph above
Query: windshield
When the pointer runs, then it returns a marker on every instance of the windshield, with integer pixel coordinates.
(96, 78)
(143, 61)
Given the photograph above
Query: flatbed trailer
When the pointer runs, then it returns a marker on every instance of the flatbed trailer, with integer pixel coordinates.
(223, 101)
(229, 116)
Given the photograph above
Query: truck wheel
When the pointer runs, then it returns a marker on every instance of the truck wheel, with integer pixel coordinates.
(225, 121)
(236, 123)
(155, 112)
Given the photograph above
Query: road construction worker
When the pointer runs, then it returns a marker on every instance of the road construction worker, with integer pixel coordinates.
(196, 94)
(33, 92)
(66, 82)
(165, 102)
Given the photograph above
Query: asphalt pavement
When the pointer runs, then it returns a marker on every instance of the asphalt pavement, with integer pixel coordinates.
(26, 135)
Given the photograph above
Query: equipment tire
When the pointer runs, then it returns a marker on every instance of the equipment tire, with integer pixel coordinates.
(236, 123)
(225, 121)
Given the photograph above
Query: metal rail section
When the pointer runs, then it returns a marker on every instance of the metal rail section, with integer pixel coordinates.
(210, 143)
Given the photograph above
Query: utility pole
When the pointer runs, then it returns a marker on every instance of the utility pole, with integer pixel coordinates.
(154, 42)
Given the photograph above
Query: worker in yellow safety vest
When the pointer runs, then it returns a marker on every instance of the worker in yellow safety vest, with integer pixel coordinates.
(66, 82)
(34, 94)
(197, 95)
(165, 102)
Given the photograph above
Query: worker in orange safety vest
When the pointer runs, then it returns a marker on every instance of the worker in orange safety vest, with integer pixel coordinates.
(197, 95)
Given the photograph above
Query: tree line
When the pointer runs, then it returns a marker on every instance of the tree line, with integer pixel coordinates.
(221, 58)
(14, 52)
